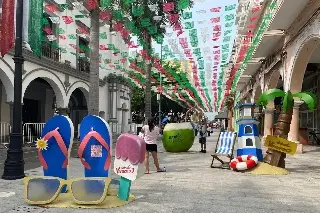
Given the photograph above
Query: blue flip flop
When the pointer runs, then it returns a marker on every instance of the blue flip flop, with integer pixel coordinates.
(54, 155)
(95, 146)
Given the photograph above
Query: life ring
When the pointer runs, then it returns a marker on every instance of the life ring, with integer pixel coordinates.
(244, 162)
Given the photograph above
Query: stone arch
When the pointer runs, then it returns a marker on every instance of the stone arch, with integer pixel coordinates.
(7, 81)
(7, 64)
(272, 80)
(298, 55)
(52, 79)
(84, 87)
(300, 62)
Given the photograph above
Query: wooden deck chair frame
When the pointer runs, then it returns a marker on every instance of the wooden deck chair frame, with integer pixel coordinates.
(224, 164)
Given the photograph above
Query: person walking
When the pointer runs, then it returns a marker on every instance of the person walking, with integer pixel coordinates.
(150, 134)
(196, 128)
(209, 129)
(203, 137)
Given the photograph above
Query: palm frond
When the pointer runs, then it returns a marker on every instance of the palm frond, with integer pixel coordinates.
(270, 95)
(309, 98)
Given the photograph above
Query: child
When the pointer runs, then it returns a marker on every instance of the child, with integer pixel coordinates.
(203, 137)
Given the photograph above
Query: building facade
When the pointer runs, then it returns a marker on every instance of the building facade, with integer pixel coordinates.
(287, 57)
(58, 81)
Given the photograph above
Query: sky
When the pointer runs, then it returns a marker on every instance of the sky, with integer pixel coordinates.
(204, 19)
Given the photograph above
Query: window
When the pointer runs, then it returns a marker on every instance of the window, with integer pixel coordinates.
(83, 47)
(49, 47)
(303, 119)
(248, 130)
(122, 91)
(310, 120)
(112, 100)
(83, 55)
(249, 142)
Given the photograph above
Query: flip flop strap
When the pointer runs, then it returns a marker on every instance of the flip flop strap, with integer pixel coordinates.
(54, 133)
(84, 143)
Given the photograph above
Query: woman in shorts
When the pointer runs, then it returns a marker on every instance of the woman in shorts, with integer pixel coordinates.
(150, 134)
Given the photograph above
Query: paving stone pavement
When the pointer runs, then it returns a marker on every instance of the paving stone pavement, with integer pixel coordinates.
(190, 185)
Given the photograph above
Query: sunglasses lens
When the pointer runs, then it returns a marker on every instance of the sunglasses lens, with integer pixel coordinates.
(41, 189)
(88, 190)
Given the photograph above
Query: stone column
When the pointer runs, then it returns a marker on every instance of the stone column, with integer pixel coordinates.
(129, 108)
(230, 118)
(268, 122)
(294, 127)
(115, 101)
(63, 111)
(118, 101)
(11, 111)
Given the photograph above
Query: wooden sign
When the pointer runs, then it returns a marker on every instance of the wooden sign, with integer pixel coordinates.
(281, 144)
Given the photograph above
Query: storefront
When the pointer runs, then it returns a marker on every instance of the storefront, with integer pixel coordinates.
(310, 119)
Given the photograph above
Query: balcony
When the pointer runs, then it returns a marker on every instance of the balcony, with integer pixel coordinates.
(49, 52)
(83, 66)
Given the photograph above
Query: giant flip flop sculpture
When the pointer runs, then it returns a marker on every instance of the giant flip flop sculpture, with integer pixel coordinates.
(94, 150)
(55, 145)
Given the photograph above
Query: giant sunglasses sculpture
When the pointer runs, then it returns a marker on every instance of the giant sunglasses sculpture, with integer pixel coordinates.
(94, 151)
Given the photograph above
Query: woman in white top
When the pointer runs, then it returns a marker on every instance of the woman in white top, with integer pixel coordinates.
(151, 133)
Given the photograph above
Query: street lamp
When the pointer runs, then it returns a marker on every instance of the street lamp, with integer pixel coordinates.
(14, 164)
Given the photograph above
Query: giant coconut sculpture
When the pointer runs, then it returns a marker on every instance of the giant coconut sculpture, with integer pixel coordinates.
(178, 137)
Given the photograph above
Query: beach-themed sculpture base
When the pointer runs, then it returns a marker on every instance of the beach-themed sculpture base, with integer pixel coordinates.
(178, 137)
(94, 152)
(266, 169)
(112, 201)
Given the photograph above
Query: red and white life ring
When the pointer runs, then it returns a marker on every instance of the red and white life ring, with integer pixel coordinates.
(244, 162)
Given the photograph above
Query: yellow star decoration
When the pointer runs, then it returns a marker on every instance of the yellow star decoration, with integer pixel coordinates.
(42, 144)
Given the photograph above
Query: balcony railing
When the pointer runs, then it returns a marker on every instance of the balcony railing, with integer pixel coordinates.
(49, 52)
(83, 66)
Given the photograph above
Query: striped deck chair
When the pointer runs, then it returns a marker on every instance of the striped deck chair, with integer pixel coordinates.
(224, 147)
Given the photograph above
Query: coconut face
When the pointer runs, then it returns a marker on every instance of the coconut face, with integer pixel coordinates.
(178, 137)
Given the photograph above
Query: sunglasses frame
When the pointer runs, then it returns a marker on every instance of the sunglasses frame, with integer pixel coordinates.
(67, 183)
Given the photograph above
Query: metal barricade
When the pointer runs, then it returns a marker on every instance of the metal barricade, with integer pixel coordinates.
(5, 130)
(78, 135)
(133, 128)
(31, 132)
(117, 128)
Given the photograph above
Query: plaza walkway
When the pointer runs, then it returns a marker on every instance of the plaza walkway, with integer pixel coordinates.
(191, 186)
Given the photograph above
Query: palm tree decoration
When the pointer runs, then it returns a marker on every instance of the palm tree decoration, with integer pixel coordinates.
(230, 107)
(282, 127)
